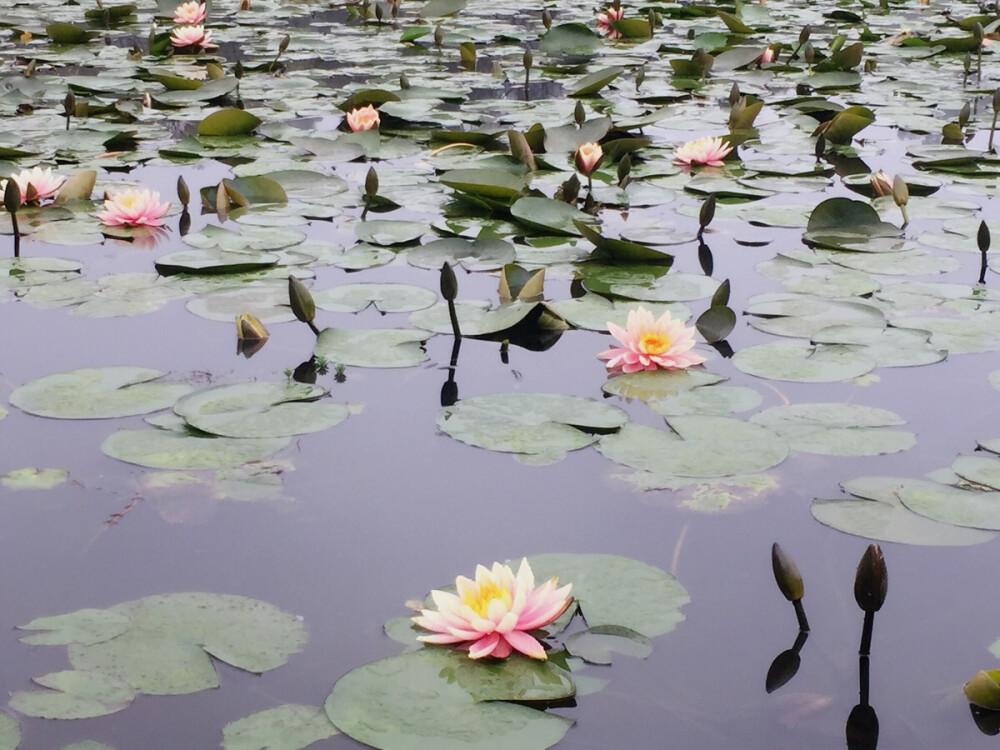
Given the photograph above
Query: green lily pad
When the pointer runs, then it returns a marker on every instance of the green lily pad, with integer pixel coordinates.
(86, 626)
(229, 122)
(889, 347)
(478, 318)
(720, 400)
(98, 393)
(650, 385)
(481, 254)
(591, 83)
(614, 591)
(384, 232)
(547, 215)
(597, 645)
(288, 727)
(74, 694)
(34, 479)
(982, 470)
(10, 732)
(387, 347)
(417, 701)
(164, 449)
(535, 424)
(804, 363)
(838, 220)
(570, 39)
(961, 507)
(387, 298)
(837, 429)
(696, 446)
(213, 262)
(260, 410)
(490, 183)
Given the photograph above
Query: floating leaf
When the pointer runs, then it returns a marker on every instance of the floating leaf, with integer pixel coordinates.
(74, 694)
(163, 449)
(288, 727)
(961, 507)
(228, 122)
(593, 82)
(803, 363)
(10, 732)
(86, 626)
(387, 298)
(34, 479)
(837, 429)
(387, 347)
(597, 645)
(98, 393)
(547, 215)
(648, 385)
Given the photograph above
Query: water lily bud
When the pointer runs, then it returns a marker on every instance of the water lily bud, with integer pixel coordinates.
(640, 76)
(804, 34)
(880, 183)
(579, 113)
(872, 580)
(820, 146)
(984, 689)
(967, 62)
(707, 211)
(449, 284)
(786, 574)
(528, 59)
(983, 237)
(870, 64)
(734, 95)
(285, 40)
(996, 100)
(244, 4)
(588, 158)
(404, 81)
(183, 194)
(69, 103)
(546, 19)
(900, 191)
(978, 32)
(624, 170)
(809, 53)
(653, 21)
(371, 183)
(301, 301)
(964, 114)
(378, 12)
(249, 328)
(12, 197)
(438, 35)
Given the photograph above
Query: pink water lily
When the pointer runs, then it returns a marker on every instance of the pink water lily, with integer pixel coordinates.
(190, 12)
(42, 182)
(651, 344)
(605, 19)
(492, 615)
(133, 207)
(363, 118)
(192, 36)
(881, 183)
(709, 151)
(588, 158)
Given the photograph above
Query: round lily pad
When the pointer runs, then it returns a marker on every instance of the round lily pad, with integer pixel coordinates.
(387, 298)
(33, 479)
(804, 363)
(10, 732)
(941, 502)
(288, 727)
(165, 449)
(98, 393)
(837, 429)
(384, 347)
(74, 694)
(984, 470)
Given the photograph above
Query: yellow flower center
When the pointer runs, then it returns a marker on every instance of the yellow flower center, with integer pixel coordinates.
(654, 342)
(479, 599)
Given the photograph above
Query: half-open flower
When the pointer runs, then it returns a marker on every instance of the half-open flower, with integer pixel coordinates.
(881, 183)
(766, 56)
(192, 36)
(494, 614)
(651, 344)
(190, 12)
(608, 17)
(588, 158)
(709, 151)
(36, 184)
(133, 207)
(363, 118)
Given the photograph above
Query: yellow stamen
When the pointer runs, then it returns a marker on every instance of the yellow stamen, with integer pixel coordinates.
(479, 599)
(654, 342)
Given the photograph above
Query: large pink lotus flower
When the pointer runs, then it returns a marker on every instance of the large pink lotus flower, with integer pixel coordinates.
(190, 12)
(605, 19)
(363, 118)
(133, 207)
(491, 616)
(43, 184)
(708, 150)
(192, 36)
(648, 344)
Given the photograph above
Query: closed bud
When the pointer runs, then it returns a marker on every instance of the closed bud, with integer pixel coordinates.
(371, 183)
(983, 237)
(283, 45)
(12, 197)
(734, 95)
(809, 53)
(984, 689)
(967, 62)
(249, 328)
(900, 191)
(652, 20)
(238, 70)
(640, 76)
(964, 114)
(707, 211)
(404, 81)
(872, 580)
(624, 170)
(804, 34)
(449, 284)
(527, 59)
(820, 146)
(183, 194)
(546, 19)
(978, 32)
(244, 4)
(786, 574)
(579, 113)
(69, 103)
(378, 12)
(301, 301)
(438, 35)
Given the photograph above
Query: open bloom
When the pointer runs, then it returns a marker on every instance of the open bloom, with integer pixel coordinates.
(43, 183)
(648, 344)
(605, 19)
(190, 12)
(588, 157)
(133, 208)
(491, 616)
(363, 118)
(192, 36)
(708, 150)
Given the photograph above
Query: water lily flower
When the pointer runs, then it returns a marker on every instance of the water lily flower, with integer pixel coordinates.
(881, 183)
(588, 157)
(492, 615)
(192, 36)
(363, 118)
(605, 19)
(133, 207)
(648, 344)
(766, 56)
(190, 12)
(43, 184)
(709, 151)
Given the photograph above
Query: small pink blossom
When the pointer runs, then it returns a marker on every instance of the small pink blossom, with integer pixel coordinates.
(192, 36)
(766, 56)
(133, 207)
(588, 157)
(43, 184)
(363, 118)
(648, 344)
(608, 17)
(492, 615)
(709, 151)
(190, 12)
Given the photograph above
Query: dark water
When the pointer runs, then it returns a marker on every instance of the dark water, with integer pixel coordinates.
(384, 508)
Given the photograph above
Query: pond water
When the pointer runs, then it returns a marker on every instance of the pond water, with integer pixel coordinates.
(343, 526)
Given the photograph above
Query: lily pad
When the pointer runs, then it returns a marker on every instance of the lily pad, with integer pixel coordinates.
(10, 732)
(837, 429)
(34, 479)
(98, 393)
(74, 694)
(386, 347)
(961, 507)
(165, 449)
(803, 363)
(597, 645)
(288, 727)
(387, 298)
